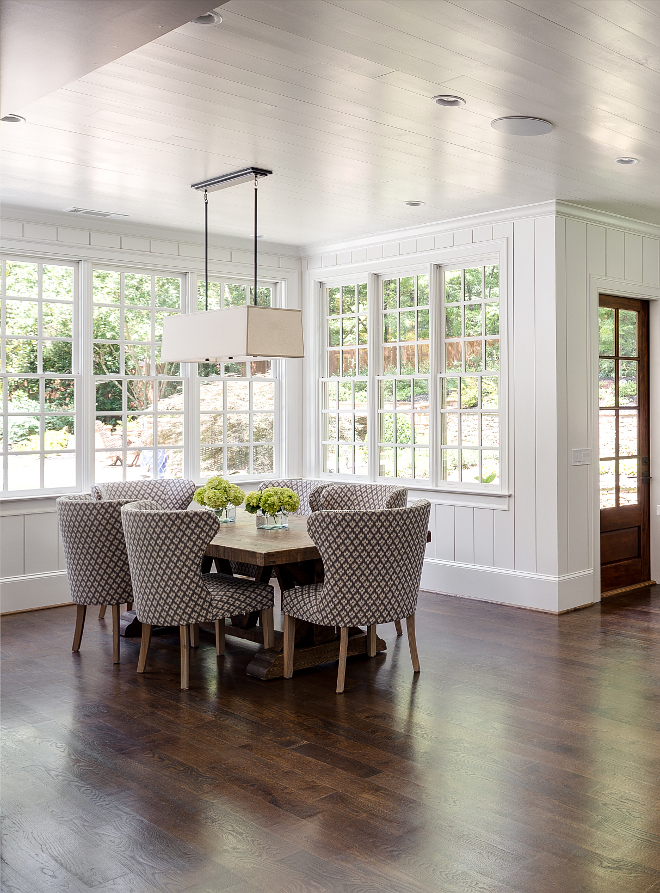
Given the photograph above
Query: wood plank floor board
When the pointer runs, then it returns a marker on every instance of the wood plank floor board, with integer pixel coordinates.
(525, 758)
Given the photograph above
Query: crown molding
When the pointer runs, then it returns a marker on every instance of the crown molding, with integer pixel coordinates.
(505, 215)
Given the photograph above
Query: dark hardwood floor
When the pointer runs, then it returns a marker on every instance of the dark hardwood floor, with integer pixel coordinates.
(524, 758)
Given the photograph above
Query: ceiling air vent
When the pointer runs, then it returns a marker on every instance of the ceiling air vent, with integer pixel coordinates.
(90, 213)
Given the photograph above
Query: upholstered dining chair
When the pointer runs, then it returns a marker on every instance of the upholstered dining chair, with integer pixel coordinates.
(96, 559)
(360, 497)
(373, 565)
(171, 493)
(165, 549)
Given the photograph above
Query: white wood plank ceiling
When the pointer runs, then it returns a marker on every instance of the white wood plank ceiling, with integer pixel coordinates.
(335, 96)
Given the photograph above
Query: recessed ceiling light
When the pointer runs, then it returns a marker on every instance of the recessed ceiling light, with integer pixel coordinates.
(415, 204)
(449, 99)
(209, 18)
(89, 212)
(522, 125)
(627, 159)
(13, 119)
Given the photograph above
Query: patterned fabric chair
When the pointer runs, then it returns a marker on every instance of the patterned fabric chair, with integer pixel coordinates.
(361, 497)
(165, 549)
(96, 559)
(358, 497)
(373, 565)
(173, 493)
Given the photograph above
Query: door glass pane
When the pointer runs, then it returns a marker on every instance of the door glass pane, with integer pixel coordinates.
(606, 331)
(627, 433)
(628, 481)
(628, 370)
(607, 481)
(606, 382)
(607, 431)
(627, 333)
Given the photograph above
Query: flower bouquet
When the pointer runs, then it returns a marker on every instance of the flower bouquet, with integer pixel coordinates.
(272, 506)
(222, 497)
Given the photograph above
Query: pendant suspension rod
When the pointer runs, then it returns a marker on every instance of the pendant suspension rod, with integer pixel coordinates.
(206, 248)
(256, 192)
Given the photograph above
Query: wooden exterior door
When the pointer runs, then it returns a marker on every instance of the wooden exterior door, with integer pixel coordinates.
(623, 386)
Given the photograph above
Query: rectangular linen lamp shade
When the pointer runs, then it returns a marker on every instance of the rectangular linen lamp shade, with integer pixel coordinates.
(234, 333)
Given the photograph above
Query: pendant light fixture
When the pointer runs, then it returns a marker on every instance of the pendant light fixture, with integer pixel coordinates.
(233, 333)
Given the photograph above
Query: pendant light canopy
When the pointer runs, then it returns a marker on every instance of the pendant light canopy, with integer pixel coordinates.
(235, 333)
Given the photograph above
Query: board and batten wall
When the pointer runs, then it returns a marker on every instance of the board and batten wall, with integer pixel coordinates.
(539, 547)
(32, 569)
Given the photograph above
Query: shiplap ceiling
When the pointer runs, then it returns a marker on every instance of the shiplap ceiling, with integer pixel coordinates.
(336, 98)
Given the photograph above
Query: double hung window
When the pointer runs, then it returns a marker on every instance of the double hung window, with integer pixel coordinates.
(345, 380)
(39, 384)
(237, 400)
(432, 379)
(139, 400)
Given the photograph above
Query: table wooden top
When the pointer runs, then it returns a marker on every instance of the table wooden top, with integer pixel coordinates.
(244, 541)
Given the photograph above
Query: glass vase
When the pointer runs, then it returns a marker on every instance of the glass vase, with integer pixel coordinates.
(279, 521)
(226, 515)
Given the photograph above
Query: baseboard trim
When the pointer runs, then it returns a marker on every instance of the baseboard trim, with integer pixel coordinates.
(490, 601)
(510, 572)
(610, 592)
(44, 608)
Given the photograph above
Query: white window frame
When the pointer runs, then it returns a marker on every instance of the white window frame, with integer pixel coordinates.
(74, 376)
(494, 252)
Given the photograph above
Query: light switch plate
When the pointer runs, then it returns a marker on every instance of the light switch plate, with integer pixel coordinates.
(581, 457)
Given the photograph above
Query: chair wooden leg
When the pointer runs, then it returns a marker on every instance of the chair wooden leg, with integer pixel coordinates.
(194, 635)
(268, 627)
(129, 606)
(115, 634)
(220, 636)
(343, 649)
(144, 647)
(102, 611)
(80, 625)
(412, 641)
(397, 625)
(184, 633)
(289, 642)
(371, 640)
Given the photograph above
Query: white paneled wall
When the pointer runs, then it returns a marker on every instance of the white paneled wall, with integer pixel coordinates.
(539, 547)
(32, 568)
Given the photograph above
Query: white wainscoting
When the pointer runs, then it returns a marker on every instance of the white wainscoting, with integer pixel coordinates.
(32, 568)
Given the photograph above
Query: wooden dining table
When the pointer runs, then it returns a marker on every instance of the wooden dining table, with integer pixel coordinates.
(294, 559)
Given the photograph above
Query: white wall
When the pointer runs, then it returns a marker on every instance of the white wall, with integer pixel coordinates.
(539, 547)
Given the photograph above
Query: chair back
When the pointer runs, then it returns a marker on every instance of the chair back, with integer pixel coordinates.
(372, 562)
(165, 550)
(362, 497)
(173, 493)
(302, 486)
(94, 550)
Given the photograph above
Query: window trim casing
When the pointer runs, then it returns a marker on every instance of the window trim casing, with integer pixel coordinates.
(491, 251)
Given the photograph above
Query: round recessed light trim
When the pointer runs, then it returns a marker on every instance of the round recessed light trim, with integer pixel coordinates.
(13, 119)
(209, 18)
(415, 203)
(627, 159)
(522, 125)
(448, 99)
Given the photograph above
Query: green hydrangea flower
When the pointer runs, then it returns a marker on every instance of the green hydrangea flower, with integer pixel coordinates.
(275, 499)
(253, 502)
(200, 495)
(236, 495)
(217, 499)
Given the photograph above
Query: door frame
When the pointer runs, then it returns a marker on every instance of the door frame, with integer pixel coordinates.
(602, 285)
